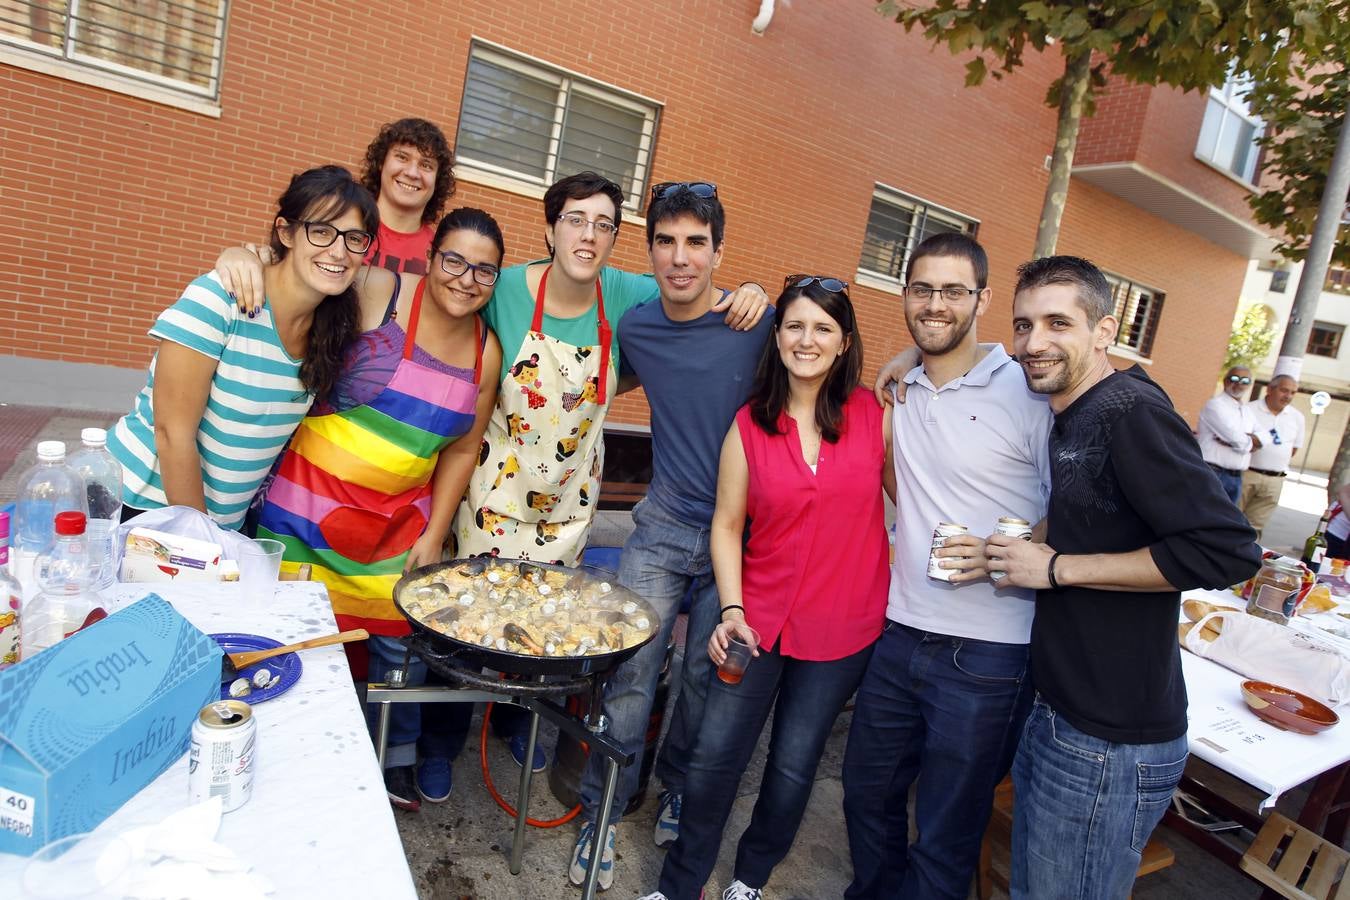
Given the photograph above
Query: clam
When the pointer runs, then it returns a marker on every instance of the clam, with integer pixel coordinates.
(240, 687)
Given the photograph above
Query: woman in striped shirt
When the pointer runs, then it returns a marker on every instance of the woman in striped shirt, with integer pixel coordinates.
(226, 390)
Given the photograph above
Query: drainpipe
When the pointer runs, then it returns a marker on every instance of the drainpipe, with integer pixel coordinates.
(765, 16)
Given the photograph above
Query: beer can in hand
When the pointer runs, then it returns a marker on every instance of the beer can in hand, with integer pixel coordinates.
(220, 763)
(943, 531)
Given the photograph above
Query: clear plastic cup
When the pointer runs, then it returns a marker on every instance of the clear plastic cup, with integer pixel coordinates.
(260, 562)
(81, 865)
(739, 654)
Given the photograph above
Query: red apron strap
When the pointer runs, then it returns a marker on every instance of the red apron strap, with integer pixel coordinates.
(605, 339)
(479, 339)
(537, 323)
(410, 336)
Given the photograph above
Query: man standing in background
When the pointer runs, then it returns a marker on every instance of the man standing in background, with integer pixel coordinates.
(1279, 428)
(1226, 432)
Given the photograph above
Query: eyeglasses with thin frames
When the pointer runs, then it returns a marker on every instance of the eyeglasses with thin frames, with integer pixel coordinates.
(951, 293)
(455, 265)
(577, 222)
(833, 285)
(323, 234)
(704, 190)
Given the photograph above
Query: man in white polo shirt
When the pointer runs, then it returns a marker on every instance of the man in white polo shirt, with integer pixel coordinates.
(1225, 433)
(946, 690)
(1279, 428)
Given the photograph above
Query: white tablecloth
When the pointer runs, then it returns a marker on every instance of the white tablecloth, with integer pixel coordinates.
(1223, 731)
(318, 824)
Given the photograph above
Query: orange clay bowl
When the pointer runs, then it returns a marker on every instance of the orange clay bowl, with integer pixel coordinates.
(1288, 709)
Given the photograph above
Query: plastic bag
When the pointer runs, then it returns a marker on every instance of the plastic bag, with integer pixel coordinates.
(1274, 654)
(183, 521)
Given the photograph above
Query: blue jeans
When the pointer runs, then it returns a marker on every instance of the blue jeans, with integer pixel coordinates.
(434, 729)
(1085, 808)
(661, 560)
(1232, 484)
(946, 710)
(805, 698)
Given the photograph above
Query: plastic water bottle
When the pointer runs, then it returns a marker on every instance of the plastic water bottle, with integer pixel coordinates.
(11, 603)
(66, 600)
(48, 488)
(102, 475)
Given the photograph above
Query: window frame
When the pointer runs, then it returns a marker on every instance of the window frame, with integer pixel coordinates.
(1147, 335)
(922, 210)
(68, 62)
(1315, 347)
(1228, 97)
(566, 83)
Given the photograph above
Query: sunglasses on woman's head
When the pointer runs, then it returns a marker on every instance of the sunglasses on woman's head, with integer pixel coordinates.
(833, 285)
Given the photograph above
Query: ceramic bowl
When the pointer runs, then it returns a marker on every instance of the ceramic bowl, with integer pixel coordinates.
(1288, 709)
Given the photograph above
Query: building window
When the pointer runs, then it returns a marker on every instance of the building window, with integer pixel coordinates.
(1338, 280)
(1325, 339)
(171, 43)
(896, 224)
(537, 123)
(1229, 131)
(1279, 281)
(1137, 309)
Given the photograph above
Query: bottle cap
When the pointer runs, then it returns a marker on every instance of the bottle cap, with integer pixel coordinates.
(70, 522)
(51, 450)
(96, 437)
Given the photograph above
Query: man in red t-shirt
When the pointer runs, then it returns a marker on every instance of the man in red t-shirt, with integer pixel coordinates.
(408, 169)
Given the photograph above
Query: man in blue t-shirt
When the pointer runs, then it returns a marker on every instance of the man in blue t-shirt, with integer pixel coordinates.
(697, 373)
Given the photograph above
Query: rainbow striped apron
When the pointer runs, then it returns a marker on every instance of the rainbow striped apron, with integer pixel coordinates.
(353, 491)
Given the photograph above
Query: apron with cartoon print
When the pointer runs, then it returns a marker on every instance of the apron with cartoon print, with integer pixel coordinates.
(353, 492)
(533, 493)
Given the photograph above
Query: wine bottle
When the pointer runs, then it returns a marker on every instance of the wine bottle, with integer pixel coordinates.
(1315, 547)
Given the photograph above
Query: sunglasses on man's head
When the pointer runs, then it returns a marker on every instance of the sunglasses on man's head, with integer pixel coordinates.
(1240, 379)
(704, 190)
(833, 285)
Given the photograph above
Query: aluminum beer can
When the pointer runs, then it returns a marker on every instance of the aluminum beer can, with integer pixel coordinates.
(1011, 526)
(943, 531)
(220, 763)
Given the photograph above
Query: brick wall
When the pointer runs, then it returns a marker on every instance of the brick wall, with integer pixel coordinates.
(113, 203)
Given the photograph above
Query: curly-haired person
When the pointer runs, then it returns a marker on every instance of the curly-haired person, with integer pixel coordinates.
(408, 169)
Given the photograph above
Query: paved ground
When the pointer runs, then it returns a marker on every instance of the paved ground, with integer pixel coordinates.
(459, 849)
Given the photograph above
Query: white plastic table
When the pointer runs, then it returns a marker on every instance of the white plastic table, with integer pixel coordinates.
(319, 822)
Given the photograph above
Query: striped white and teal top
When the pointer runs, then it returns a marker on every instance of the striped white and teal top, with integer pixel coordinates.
(255, 402)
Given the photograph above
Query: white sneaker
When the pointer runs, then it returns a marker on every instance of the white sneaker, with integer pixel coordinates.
(654, 895)
(581, 858)
(667, 830)
(739, 890)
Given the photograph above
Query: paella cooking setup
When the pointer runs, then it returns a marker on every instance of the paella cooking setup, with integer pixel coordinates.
(542, 632)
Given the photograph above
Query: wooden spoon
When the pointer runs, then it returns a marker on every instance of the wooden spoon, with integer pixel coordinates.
(232, 663)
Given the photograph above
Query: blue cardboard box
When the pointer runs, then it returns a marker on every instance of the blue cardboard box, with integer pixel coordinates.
(87, 723)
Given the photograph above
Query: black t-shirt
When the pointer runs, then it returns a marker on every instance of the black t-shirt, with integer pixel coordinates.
(1126, 473)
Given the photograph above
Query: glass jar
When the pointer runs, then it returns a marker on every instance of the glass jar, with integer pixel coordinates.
(1276, 583)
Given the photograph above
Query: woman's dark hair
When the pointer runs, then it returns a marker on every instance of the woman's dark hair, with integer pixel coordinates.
(579, 187)
(428, 139)
(467, 218)
(322, 195)
(768, 398)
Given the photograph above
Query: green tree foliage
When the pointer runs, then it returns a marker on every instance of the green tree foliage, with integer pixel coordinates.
(1183, 43)
(1252, 338)
(1304, 108)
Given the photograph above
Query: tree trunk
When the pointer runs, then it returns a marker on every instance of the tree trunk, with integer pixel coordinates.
(1077, 71)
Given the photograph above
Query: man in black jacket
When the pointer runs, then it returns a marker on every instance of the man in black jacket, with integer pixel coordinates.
(1135, 518)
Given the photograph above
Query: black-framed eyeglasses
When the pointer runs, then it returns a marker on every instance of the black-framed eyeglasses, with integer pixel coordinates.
(951, 293)
(833, 285)
(323, 234)
(454, 264)
(1275, 437)
(1239, 379)
(704, 190)
(577, 222)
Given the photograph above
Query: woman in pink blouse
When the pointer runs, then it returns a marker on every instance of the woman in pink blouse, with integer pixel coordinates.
(802, 471)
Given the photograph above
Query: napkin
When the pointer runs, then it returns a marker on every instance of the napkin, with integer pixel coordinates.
(180, 858)
(1275, 654)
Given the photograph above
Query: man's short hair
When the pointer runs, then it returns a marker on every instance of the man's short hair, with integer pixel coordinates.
(1092, 289)
(430, 141)
(957, 244)
(1284, 377)
(684, 202)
